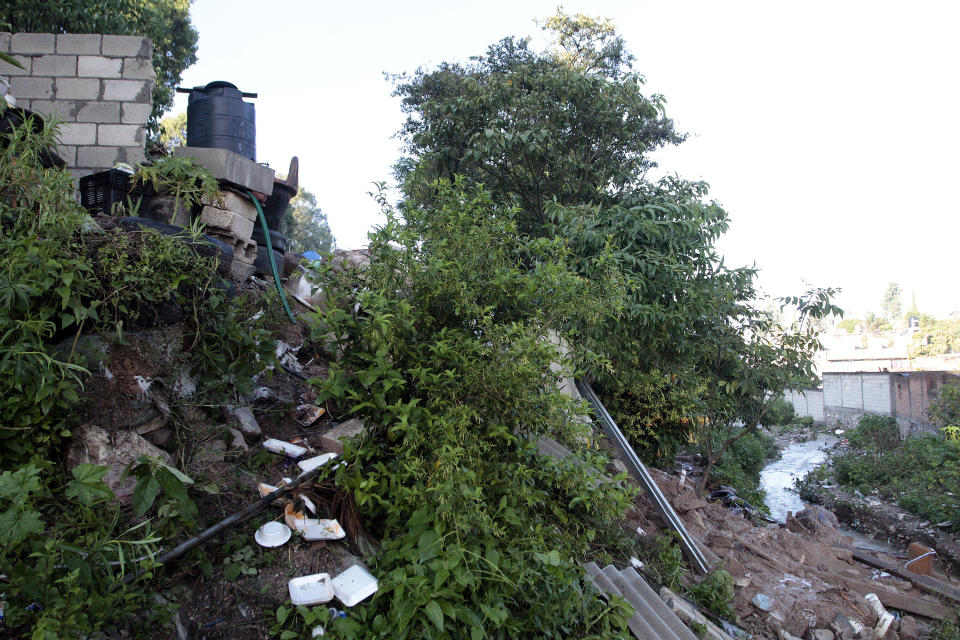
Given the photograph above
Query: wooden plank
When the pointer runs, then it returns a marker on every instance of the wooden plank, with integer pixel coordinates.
(924, 583)
(893, 599)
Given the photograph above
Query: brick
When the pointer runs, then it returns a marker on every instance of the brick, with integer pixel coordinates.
(78, 88)
(120, 135)
(65, 109)
(138, 68)
(9, 70)
(55, 66)
(227, 222)
(78, 43)
(237, 203)
(97, 158)
(68, 153)
(125, 46)
(79, 133)
(24, 87)
(133, 155)
(101, 112)
(134, 113)
(33, 43)
(334, 439)
(99, 67)
(127, 90)
(5, 42)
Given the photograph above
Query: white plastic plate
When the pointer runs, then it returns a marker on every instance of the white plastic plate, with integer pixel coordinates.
(272, 534)
(353, 585)
(315, 589)
(323, 530)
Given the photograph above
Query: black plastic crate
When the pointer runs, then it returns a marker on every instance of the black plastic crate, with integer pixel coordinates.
(100, 191)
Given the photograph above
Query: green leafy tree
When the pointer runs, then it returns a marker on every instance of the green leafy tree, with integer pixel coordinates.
(935, 337)
(305, 225)
(173, 132)
(892, 308)
(166, 22)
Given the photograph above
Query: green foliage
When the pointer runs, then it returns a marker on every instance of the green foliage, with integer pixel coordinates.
(165, 22)
(181, 177)
(305, 225)
(664, 559)
(715, 593)
(155, 479)
(173, 132)
(892, 308)
(447, 355)
(935, 337)
(780, 412)
(875, 434)
(849, 324)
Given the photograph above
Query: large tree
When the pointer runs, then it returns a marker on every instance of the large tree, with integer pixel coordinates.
(305, 225)
(166, 22)
(891, 306)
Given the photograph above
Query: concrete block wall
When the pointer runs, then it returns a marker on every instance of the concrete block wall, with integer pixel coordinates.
(806, 402)
(99, 86)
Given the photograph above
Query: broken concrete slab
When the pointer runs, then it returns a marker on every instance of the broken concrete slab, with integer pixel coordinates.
(245, 418)
(334, 439)
(232, 167)
(93, 444)
(237, 443)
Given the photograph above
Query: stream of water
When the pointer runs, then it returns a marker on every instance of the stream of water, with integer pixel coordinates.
(796, 461)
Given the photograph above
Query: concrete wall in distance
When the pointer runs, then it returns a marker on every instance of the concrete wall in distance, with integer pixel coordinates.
(99, 86)
(807, 402)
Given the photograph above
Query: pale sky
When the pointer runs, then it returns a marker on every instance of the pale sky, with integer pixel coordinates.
(830, 131)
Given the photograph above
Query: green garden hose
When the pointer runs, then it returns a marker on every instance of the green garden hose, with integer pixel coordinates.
(273, 264)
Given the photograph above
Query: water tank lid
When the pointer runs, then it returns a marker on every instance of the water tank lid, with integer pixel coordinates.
(217, 87)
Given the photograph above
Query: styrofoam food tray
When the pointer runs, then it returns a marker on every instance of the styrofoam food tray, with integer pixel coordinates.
(315, 589)
(312, 463)
(353, 585)
(272, 534)
(281, 446)
(323, 530)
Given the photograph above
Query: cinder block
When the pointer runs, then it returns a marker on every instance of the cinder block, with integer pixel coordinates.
(78, 89)
(28, 43)
(133, 155)
(334, 439)
(23, 104)
(232, 167)
(99, 67)
(138, 68)
(240, 271)
(126, 46)
(24, 87)
(66, 110)
(9, 70)
(5, 42)
(135, 113)
(120, 135)
(127, 90)
(100, 112)
(97, 158)
(244, 250)
(79, 133)
(78, 43)
(68, 153)
(227, 222)
(55, 66)
(238, 203)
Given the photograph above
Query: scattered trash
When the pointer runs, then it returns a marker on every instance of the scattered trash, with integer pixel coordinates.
(266, 489)
(878, 574)
(263, 393)
(636, 564)
(287, 357)
(641, 532)
(336, 613)
(317, 631)
(296, 520)
(353, 585)
(214, 623)
(308, 503)
(762, 602)
(287, 448)
(838, 432)
(920, 559)
(884, 618)
(323, 530)
(272, 534)
(317, 461)
(310, 590)
(307, 414)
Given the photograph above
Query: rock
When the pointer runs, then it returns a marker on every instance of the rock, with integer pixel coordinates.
(248, 423)
(163, 437)
(92, 444)
(908, 628)
(818, 634)
(237, 442)
(813, 517)
(333, 440)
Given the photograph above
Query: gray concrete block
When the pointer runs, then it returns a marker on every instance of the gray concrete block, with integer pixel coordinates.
(119, 135)
(52, 65)
(27, 43)
(25, 87)
(135, 113)
(125, 46)
(97, 158)
(5, 42)
(138, 68)
(9, 70)
(238, 203)
(23, 104)
(68, 153)
(227, 222)
(78, 133)
(78, 88)
(127, 90)
(334, 439)
(78, 43)
(232, 167)
(132, 155)
(100, 112)
(99, 67)
(66, 110)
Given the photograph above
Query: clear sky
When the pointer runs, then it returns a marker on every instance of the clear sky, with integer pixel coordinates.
(830, 131)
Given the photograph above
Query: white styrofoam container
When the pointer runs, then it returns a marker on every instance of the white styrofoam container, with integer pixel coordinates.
(307, 590)
(323, 530)
(281, 446)
(353, 585)
(312, 463)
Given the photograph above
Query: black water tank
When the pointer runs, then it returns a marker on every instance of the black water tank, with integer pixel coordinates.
(218, 118)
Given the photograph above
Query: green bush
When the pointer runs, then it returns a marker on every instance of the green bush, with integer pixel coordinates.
(875, 434)
(780, 413)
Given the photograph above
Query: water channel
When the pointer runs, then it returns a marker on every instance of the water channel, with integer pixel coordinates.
(796, 461)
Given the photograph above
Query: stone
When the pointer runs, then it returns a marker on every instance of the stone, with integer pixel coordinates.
(99, 67)
(248, 423)
(240, 271)
(818, 634)
(126, 46)
(78, 88)
(78, 43)
(24, 87)
(908, 628)
(27, 43)
(93, 444)
(232, 167)
(237, 443)
(52, 65)
(334, 439)
(162, 437)
(120, 135)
